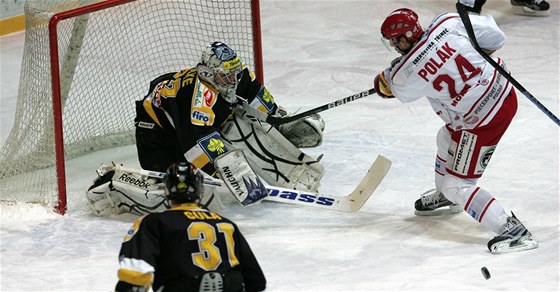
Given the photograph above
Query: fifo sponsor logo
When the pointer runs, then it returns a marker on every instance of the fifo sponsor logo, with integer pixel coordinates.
(200, 116)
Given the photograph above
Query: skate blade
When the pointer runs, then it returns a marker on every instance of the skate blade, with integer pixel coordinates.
(522, 10)
(508, 247)
(450, 210)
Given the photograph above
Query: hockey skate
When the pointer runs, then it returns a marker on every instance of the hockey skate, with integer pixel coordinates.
(514, 238)
(530, 7)
(434, 203)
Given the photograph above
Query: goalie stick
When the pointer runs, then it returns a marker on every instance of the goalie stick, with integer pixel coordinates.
(349, 203)
(283, 120)
(463, 13)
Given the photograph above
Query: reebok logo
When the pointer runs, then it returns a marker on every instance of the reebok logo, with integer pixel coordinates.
(133, 181)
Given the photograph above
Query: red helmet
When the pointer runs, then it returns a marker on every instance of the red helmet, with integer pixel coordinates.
(402, 21)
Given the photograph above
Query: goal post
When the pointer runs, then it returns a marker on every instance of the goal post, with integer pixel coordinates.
(84, 64)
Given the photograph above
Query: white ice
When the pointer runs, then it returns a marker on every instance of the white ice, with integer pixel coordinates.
(316, 52)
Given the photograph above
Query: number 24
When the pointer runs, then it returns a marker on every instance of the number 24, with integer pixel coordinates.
(467, 72)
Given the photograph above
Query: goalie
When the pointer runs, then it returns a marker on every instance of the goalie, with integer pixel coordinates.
(197, 116)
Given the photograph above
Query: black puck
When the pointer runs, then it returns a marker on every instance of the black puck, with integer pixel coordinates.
(485, 273)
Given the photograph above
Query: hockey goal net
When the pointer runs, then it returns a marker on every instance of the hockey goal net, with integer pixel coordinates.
(84, 64)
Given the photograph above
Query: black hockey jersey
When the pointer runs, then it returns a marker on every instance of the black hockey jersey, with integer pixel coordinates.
(176, 247)
(185, 114)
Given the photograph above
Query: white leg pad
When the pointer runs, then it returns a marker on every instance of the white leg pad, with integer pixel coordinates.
(271, 155)
(240, 179)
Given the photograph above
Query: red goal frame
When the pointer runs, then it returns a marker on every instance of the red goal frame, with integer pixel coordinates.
(61, 206)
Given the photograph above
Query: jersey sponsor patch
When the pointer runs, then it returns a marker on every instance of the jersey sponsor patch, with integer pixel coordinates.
(212, 145)
(201, 118)
(484, 158)
(463, 153)
(197, 99)
(203, 100)
(204, 96)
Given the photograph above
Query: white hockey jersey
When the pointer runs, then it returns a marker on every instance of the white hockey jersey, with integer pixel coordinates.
(464, 90)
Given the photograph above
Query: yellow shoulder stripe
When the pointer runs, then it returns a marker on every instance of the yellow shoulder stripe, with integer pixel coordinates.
(148, 106)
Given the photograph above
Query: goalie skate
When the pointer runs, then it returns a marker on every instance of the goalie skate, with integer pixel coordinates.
(515, 238)
(434, 203)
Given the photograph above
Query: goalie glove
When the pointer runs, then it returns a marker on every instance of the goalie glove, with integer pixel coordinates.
(382, 86)
(306, 132)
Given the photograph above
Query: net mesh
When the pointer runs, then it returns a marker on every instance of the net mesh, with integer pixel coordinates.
(106, 60)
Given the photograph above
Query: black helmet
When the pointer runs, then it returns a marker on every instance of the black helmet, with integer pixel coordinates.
(183, 183)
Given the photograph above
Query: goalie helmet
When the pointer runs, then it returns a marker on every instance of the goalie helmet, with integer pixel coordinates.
(401, 22)
(183, 183)
(221, 67)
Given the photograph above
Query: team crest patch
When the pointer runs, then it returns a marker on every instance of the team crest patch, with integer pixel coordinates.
(212, 145)
(266, 99)
(133, 230)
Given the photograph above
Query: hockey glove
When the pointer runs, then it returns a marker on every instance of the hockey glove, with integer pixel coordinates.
(382, 87)
(306, 132)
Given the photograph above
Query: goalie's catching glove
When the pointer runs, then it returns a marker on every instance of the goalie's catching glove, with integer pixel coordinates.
(306, 132)
(382, 86)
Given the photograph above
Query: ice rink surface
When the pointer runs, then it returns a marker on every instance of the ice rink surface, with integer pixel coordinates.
(316, 52)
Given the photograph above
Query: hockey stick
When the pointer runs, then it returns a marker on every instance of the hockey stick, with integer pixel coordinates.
(279, 120)
(349, 203)
(462, 10)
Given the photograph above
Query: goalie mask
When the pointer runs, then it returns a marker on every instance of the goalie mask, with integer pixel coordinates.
(183, 183)
(221, 67)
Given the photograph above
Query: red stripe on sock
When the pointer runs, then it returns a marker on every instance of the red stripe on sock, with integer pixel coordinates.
(485, 208)
(470, 199)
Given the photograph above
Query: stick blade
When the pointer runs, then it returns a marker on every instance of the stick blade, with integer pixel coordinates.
(367, 186)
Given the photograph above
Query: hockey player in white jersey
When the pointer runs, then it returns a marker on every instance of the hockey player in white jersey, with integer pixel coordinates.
(475, 102)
